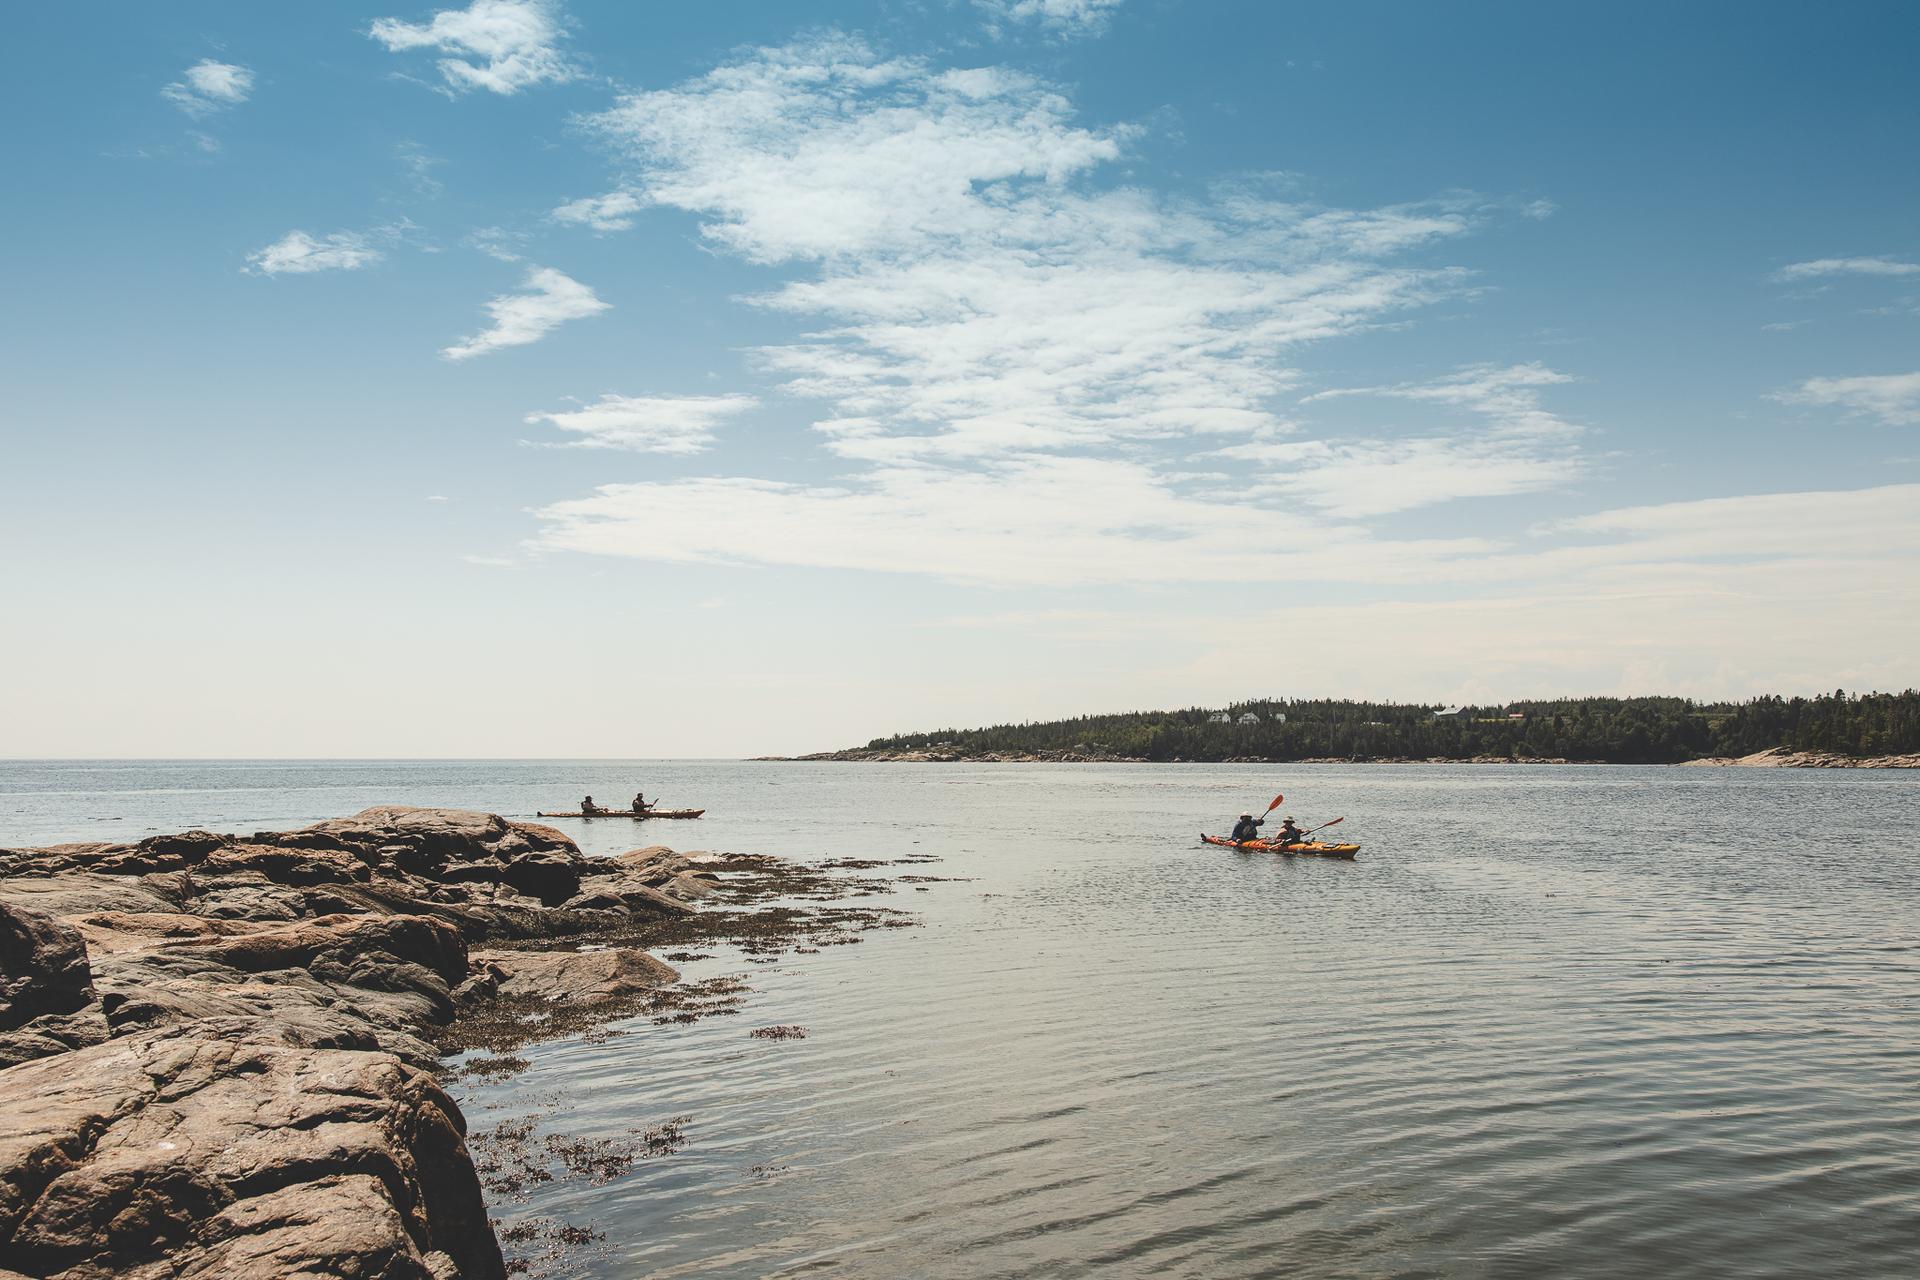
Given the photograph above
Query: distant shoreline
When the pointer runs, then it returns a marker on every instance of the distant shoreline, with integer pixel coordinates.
(1774, 758)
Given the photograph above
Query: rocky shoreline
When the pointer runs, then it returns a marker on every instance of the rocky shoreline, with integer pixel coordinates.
(1775, 758)
(220, 1054)
(1780, 758)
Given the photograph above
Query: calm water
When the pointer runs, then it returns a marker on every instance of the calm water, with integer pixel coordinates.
(1554, 1022)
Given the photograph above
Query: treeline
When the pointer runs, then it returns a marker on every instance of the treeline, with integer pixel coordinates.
(1611, 730)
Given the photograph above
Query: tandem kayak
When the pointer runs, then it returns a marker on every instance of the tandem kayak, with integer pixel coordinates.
(628, 813)
(1305, 849)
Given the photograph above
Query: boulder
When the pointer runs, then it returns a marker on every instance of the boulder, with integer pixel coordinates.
(43, 967)
(548, 876)
(47, 1001)
(166, 1154)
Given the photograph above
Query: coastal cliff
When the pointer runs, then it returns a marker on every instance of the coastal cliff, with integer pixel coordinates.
(219, 1051)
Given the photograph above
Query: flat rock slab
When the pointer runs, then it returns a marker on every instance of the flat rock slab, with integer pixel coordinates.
(571, 977)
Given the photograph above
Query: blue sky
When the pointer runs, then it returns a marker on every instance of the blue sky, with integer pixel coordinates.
(606, 379)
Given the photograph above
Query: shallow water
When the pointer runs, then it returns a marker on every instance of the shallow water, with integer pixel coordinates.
(1554, 1021)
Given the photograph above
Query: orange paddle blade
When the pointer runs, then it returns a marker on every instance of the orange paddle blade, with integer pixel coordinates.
(1275, 804)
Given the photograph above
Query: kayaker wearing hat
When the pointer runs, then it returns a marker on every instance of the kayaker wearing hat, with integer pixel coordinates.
(1248, 828)
(1288, 833)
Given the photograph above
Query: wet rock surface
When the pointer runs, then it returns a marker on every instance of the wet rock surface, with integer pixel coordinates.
(219, 1053)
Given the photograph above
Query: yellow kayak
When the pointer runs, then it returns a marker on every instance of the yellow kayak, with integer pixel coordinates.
(1304, 849)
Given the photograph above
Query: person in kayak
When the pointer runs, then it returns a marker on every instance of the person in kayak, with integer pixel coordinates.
(1248, 828)
(588, 808)
(1288, 833)
(639, 802)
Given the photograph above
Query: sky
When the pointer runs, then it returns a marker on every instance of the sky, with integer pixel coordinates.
(581, 379)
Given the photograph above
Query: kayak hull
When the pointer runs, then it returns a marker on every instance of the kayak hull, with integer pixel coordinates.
(1308, 849)
(628, 813)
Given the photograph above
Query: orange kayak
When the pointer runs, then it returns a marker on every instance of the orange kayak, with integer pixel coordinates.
(1305, 849)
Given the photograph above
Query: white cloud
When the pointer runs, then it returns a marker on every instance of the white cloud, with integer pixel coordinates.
(648, 424)
(1076, 522)
(1894, 398)
(611, 212)
(438, 497)
(547, 300)
(1016, 368)
(298, 253)
(1040, 521)
(971, 303)
(502, 46)
(1056, 17)
(1539, 210)
(1879, 266)
(1519, 447)
(208, 86)
(823, 149)
(1377, 476)
(1508, 396)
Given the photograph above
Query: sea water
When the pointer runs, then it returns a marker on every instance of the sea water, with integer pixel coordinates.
(1554, 1021)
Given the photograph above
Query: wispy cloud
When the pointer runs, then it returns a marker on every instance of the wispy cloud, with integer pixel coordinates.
(1516, 446)
(1055, 17)
(208, 86)
(973, 302)
(611, 212)
(547, 299)
(1035, 521)
(1076, 521)
(1380, 476)
(1894, 398)
(1819, 267)
(648, 424)
(502, 46)
(419, 164)
(497, 243)
(298, 253)
(1015, 367)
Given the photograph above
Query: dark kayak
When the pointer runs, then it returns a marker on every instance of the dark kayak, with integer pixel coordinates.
(628, 813)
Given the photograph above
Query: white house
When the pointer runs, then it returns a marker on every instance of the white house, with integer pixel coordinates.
(1220, 717)
(1450, 711)
(1248, 717)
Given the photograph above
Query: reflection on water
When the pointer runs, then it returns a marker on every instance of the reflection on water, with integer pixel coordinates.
(1554, 1021)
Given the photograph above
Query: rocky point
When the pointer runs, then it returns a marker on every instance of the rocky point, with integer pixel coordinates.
(219, 1050)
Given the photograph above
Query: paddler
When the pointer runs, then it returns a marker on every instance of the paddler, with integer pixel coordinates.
(588, 808)
(1288, 832)
(1248, 828)
(639, 802)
